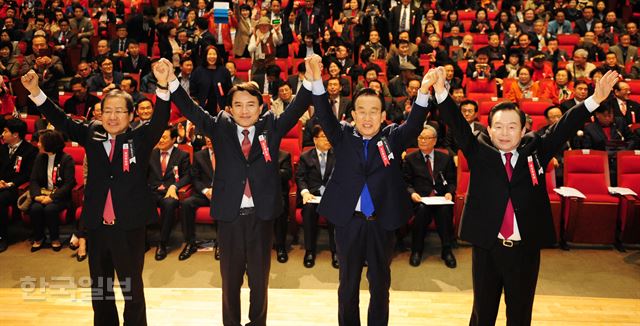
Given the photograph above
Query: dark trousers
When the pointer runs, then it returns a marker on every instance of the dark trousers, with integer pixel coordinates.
(513, 269)
(188, 209)
(443, 215)
(168, 207)
(281, 224)
(8, 197)
(245, 247)
(111, 248)
(46, 215)
(357, 242)
(310, 224)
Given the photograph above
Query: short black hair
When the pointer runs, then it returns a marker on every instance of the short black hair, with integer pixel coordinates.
(470, 102)
(302, 67)
(78, 80)
(133, 42)
(546, 111)
(508, 106)
(595, 71)
(16, 125)
(52, 141)
(144, 100)
(367, 91)
(134, 83)
(173, 131)
(249, 87)
(316, 130)
(202, 23)
(273, 70)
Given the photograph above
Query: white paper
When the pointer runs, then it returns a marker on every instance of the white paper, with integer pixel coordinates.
(221, 5)
(621, 191)
(315, 200)
(436, 200)
(569, 192)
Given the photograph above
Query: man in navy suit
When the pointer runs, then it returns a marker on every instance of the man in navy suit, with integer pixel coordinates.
(507, 215)
(118, 203)
(246, 194)
(366, 197)
(168, 172)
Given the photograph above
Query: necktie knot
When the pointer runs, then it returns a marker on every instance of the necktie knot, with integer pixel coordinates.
(164, 153)
(245, 132)
(508, 156)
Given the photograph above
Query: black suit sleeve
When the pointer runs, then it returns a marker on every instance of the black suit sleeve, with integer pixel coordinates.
(408, 173)
(294, 111)
(68, 174)
(301, 173)
(195, 113)
(77, 131)
(198, 173)
(450, 176)
(460, 128)
(183, 169)
(558, 133)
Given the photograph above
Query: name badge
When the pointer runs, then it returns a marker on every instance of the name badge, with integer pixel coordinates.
(16, 167)
(265, 149)
(176, 175)
(125, 157)
(532, 171)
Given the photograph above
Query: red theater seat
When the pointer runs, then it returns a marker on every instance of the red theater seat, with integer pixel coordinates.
(629, 177)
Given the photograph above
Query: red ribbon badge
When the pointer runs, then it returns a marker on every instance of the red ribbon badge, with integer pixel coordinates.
(176, 175)
(413, 20)
(633, 117)
(383, 153)
(125, 157)
(220, 89)
(54, 175)
(532, 171)
(268, 48)
(16, 167)
(312, 18)
(265, 148)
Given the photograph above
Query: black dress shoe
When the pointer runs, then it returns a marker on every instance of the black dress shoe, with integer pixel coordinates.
(564, 246)
(161, 252)
(309, 259)
(334, 260)
(80, 258)
(619, 246)
(415, 259)
(449, 259)
(216, 254)
(56, 248)
(189, 249)
(3, 245)
(281, 254)
(35, 246)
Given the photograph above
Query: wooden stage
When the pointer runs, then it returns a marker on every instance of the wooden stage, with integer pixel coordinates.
(202, 306)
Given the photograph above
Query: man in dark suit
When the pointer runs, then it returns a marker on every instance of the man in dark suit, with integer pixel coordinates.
(281, 223)
(204, 40)
(16, 161)
(168, 172)
(430, 173)
(118, 203)
(622, 106)
(469, 109)
(244, 201)
(586, 23)
(507, 216)
(313, 172)
(339, 104)
(393, 64)
(134, 62)
(272, 80)
(202, 172)
(366, 196)
(48, 67)
(295, 80)
(120, 44)
(580, 93)
(282, 14)
(405, 17)
(82, 101)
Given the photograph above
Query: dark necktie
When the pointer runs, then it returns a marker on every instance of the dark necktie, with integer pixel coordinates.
(427, 158)
(507, 222)
(323, 163)
(246, 148)
(366, 203)
(109, 214)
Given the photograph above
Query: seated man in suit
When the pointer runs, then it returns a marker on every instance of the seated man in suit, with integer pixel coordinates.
(16, 161)
(82, 101)
(580, 93)
(285, 97)
(430, 173)
(134, 62)
(119, 45)
(398, 84)
(130, 85)
(622, 106)
(507, 216)
(366, 195)
(394, 63)
(168, 172)
(313, 173)
(244, 201)
(202, 172)
(339, 104)
(144, 112)
(469, 109)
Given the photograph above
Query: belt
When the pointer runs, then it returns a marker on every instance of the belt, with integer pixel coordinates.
(509, 243)
(364, 217)
(247, 211)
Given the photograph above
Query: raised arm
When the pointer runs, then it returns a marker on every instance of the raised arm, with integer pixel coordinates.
(169, 89)
(301, 102)
(77, 131)
(160, 118)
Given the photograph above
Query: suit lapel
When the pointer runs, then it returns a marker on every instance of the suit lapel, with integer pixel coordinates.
(329, 168)
(235, 141)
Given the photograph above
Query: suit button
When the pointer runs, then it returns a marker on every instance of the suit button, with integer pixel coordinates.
(243, 181)
(111, 177)
(248, 165)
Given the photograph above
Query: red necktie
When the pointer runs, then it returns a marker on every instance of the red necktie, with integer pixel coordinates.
(108, 214)
(507, 222)
(246, 148)
(163, 162)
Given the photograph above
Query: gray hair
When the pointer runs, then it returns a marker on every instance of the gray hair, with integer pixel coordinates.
(429, 127)
(581, 52)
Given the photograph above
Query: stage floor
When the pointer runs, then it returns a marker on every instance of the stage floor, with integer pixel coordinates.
(202, 306)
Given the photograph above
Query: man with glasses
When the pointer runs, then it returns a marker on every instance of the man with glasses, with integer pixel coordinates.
(118, 204)
(106, 80)
(469, 109)
(430, 173)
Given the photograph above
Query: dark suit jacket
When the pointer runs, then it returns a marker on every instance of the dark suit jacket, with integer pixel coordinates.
(65, 178)
(581, 27)
(386, 184)
(114, 45)
(273, 89)
(566, 105)
(308, 174)
(202, 171)
(8, 173)
(177, 159)
(293, 82)
(420, 181)
(143, 65)
(71, 38)
(234, 169)
(344, 105)
(393, 66)
(302, 50)
(632, 106)
(133, 201)
(450, 140)
(199, 52)
(490, 188)
(415, 28)
(286, 173)
(70, 106)
(595, 138)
